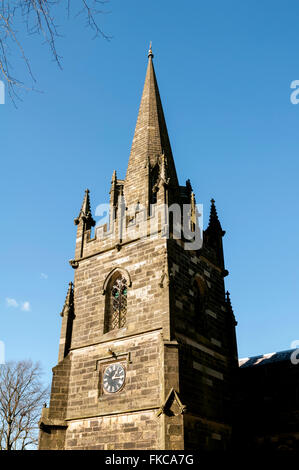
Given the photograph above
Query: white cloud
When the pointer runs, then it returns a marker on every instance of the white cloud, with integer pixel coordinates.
(44, 276)
(25, 306)
(11, 302)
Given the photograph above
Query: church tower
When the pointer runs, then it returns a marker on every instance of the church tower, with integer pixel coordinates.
(147, 352)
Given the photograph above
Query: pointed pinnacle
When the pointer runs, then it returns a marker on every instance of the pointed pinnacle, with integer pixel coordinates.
(69, 300)
(228, 301)
(86, 203)
(189, 186)
(114, 177)
(229, 304)
(214, 223)
(213, 213)
(85, 212)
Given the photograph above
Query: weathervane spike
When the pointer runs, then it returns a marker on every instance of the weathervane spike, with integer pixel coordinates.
(150, 52)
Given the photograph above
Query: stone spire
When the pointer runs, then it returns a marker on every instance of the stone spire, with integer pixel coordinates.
(150, 141)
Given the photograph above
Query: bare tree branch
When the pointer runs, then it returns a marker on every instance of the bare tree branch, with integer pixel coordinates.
(39, 18)
(22, 396)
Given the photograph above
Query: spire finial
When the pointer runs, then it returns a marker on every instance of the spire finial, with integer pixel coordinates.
(150, 52)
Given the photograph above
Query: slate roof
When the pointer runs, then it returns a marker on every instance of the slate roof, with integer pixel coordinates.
(265, 359)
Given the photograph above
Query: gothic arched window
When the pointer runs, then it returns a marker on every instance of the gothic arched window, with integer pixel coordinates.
(116, 303)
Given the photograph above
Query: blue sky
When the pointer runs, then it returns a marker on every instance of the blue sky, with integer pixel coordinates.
(224, 71)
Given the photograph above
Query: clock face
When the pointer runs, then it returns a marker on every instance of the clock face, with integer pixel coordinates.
(113, 378)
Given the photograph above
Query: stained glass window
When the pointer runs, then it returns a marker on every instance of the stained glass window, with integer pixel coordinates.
(117, 304)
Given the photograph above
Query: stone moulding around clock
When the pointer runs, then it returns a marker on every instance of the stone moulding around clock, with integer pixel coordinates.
(116, 356)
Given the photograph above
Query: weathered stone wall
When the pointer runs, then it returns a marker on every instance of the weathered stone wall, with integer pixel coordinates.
(85, 405)
(207, 364)
(52, 423)
(166, 344)
(141, 358)
(206, 435)
(147, 302)
(140, 430)
(60, 389)
(52, 437)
